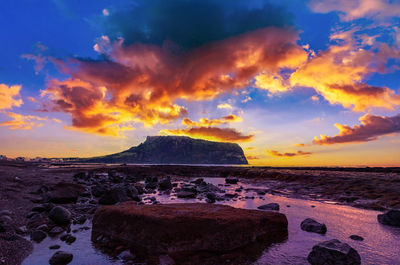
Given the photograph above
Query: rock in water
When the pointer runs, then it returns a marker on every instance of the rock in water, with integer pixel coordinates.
(391, 218)
(186, 228)
(177, 150)
(61, 258)
(310, 225)
(269, 207)
(333, 252)
(60, 215)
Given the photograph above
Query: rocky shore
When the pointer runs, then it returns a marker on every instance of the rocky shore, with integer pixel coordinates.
(40, 201)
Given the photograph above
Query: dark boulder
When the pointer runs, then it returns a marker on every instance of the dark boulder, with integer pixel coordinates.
(67, 238)
(269, 207)
(186, 194)
(333, 252)
(38, 236)
(114, 195)
(60, 215)
(356, 237)
(310, 225)
(98, 190)
(64, 193)
(391, 218)
(61, 258)
(231, 180)
(165, 184)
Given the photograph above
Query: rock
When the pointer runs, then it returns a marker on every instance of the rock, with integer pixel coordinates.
(391, 218)
(54, 247)
(2, 228)
(186, 194)
(269, 207)
(56, 230)
(211, 197)
(333, 252)
(166, 260)
(61, 258)
(98, 190)
(186, 227)
(310, 225)
(114, 195)
(231, 180)
(43, 227)
(69, 239)
(31, 214)
(197, 181)
(21, 230)
(60, 215)
(38, 236)
(126, 255)
(5, 212)
(64, 193)
(39, 208)
(81, 219)
(165, 184)
(356, 237)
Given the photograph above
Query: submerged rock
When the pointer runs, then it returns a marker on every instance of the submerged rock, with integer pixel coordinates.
(186, 228)
(269, 207)
(391, 218)
(61, 258)
(333, 252)
(310, 225)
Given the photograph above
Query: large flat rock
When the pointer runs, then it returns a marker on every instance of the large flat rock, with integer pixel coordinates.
(185, 227)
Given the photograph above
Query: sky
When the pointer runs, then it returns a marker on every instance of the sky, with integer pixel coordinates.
(293, 82)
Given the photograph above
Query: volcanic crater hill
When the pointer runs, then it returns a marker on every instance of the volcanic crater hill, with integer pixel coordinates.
(176, 150)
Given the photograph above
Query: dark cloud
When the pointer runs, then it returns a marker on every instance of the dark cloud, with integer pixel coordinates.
(370, 129)
(191, 23)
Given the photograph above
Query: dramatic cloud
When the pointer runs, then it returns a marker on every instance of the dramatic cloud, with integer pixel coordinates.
(24, 122)
(140, 83)
(278, 154)
(338, 73)
(191, 23)
(370, 129)
(212, 133)
(355, 9)
(9, 96)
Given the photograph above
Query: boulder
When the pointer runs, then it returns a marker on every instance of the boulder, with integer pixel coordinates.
(61, 258)
(333, 252)
(116, 194)
(186, 194)
(310, 225)
(357, 237)
(38, 236)
(231, 180)
(165, 184)
(174, 229)
(269, 207)
(60, 215)
(391, 218)
(64, 193)
(98, 190)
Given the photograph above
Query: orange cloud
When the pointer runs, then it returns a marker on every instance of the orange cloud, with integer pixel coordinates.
(22, 122)
(211, 133)
(338, 73)
(204, 122)
(141, 82)
(224, 106)
(278, 154)
(371, 128)
(355, 9)
(274, 84)
(9, 96)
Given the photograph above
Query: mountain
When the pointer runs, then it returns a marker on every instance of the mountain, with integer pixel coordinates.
(176, 150)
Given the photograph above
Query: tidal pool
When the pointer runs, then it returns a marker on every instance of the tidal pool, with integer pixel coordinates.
(381, 243)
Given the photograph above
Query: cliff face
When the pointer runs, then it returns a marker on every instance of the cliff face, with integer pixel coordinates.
(177, 150)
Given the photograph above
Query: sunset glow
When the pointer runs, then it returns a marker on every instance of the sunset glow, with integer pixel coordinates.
(294, 83)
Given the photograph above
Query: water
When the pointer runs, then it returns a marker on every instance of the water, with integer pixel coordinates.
(381, 244)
